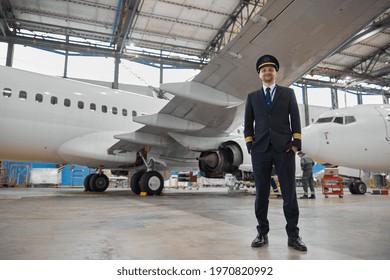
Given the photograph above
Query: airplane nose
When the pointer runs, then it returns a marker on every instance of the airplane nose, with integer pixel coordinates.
(310, 141)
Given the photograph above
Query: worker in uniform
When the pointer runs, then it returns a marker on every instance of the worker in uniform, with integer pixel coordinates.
(272, 133)
(307, 175)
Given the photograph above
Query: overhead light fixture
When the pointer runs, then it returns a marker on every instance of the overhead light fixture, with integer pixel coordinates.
(259, 19)
(235, 55)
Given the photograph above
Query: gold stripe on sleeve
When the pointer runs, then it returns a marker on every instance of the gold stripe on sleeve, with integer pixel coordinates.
(297, 136)
(248, 139)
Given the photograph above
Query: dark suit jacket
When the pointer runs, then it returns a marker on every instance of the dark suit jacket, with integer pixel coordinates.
(280, 124)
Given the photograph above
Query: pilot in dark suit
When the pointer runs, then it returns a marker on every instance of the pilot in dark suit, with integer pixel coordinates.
(273, 136)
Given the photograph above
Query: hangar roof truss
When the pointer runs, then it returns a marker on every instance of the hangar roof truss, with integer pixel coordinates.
(180, 33)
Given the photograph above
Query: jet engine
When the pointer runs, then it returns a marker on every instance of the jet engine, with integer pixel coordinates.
(227, 159)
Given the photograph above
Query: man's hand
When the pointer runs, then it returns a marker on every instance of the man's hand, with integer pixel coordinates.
(249, 146)
(295, 149)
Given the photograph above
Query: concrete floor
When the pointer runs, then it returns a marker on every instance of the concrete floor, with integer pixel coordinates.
(204, 224)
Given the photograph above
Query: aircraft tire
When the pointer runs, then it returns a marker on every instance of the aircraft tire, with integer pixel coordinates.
(152, 183)
(99, 182)
(360, 188)
(135, 184)
(352, 189)
(87, 181)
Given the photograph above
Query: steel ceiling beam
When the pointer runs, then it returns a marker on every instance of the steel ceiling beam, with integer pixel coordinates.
(244, 11)
(58, 30)
(373, 29)
(6, 11)
(344, 87)
(129, 12)
(142, 57)
(343, 74)
(372, 59)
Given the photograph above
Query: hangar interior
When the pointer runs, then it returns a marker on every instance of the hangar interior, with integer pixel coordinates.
(182, 34)
(64, 224)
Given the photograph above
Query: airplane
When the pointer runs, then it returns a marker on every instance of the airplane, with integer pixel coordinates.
(356, 137)
(51, 119)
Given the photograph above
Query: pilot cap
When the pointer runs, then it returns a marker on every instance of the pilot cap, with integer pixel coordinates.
(266, 60)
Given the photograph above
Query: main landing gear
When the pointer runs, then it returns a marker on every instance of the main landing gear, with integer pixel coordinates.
(146, 180)
(357, 187)
(149, 181)
(96, 182)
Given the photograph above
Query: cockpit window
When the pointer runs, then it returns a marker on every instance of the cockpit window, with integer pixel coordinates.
(324, 120)
(338, 120)
(349, 119)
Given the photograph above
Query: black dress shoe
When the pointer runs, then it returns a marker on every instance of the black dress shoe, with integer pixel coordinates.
(260, 241)
(296, 243)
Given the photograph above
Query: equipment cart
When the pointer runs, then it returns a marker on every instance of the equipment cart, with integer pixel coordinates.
(332, 183)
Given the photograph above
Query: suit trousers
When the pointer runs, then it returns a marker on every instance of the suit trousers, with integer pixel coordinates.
(285, 169)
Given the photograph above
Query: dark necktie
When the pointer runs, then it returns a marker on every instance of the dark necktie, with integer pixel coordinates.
(268, 96)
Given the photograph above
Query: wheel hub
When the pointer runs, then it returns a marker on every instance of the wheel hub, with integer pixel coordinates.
(154, 183)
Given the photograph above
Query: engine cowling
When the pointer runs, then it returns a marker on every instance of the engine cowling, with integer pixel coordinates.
(227, 159)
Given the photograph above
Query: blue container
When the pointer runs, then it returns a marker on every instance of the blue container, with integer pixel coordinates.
(74, 175)
(18, 173)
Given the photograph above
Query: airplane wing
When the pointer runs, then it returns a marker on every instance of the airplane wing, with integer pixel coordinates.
(299, 33)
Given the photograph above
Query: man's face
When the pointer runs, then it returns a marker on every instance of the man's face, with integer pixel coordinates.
(268, 74)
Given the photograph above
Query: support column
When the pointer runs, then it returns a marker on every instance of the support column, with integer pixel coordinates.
(115, 84)
(161, 69)
(335, 100)
(10, 54)
(359, 98)
(306, 104)
(385, 99)
(66, 59)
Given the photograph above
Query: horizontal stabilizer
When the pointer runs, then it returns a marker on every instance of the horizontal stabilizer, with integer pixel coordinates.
(201, 93)
(168, 122)
(145, 139)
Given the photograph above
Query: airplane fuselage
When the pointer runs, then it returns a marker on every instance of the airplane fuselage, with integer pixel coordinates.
(52, 119)
(356, 137)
